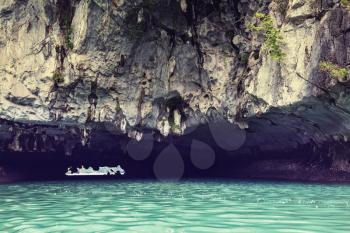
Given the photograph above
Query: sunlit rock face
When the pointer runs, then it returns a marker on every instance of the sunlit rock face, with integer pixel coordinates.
(83, 61)
(312, 31)
(114, 61)
(167, 66)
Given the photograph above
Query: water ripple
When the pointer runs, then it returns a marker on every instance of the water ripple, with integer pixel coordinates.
(174, 207)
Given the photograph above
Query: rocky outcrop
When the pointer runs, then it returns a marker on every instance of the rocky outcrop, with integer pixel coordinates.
(82, 61)
(312, 31)
(69, 69)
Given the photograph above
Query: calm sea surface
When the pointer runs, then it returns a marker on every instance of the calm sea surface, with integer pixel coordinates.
(111, 206)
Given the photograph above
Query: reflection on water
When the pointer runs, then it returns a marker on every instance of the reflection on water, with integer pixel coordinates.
(111, 206)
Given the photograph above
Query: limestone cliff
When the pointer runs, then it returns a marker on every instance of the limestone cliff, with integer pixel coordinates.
(167, 65)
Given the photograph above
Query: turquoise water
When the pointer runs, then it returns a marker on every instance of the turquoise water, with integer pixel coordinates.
(111, 206)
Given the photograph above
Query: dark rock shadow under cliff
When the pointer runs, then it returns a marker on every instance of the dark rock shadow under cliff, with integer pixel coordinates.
(306, 141)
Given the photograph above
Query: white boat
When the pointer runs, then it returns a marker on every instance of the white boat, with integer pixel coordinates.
(102, 171)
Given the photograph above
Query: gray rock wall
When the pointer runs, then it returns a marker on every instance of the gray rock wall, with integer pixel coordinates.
(161, 64)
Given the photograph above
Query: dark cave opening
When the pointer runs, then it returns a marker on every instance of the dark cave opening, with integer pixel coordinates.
(244, 163)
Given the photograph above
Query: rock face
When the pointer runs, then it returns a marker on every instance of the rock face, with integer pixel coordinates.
(313, 31)
(166, 66)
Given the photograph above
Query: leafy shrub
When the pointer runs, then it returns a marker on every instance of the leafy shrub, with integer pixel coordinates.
(345, 3)
(58, 77)
(334, 70)
(67, 30)
(68, 38)
(272, 35)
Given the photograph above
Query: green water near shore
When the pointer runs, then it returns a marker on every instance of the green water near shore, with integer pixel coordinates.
(111, 206)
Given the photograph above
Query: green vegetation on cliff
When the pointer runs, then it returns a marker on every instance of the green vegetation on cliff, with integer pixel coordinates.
(68, 38)
(272, 35)
(334, 70)
(58, 77)
(345, 3)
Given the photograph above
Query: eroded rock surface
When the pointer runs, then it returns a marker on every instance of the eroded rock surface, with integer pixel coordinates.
(165, 66)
